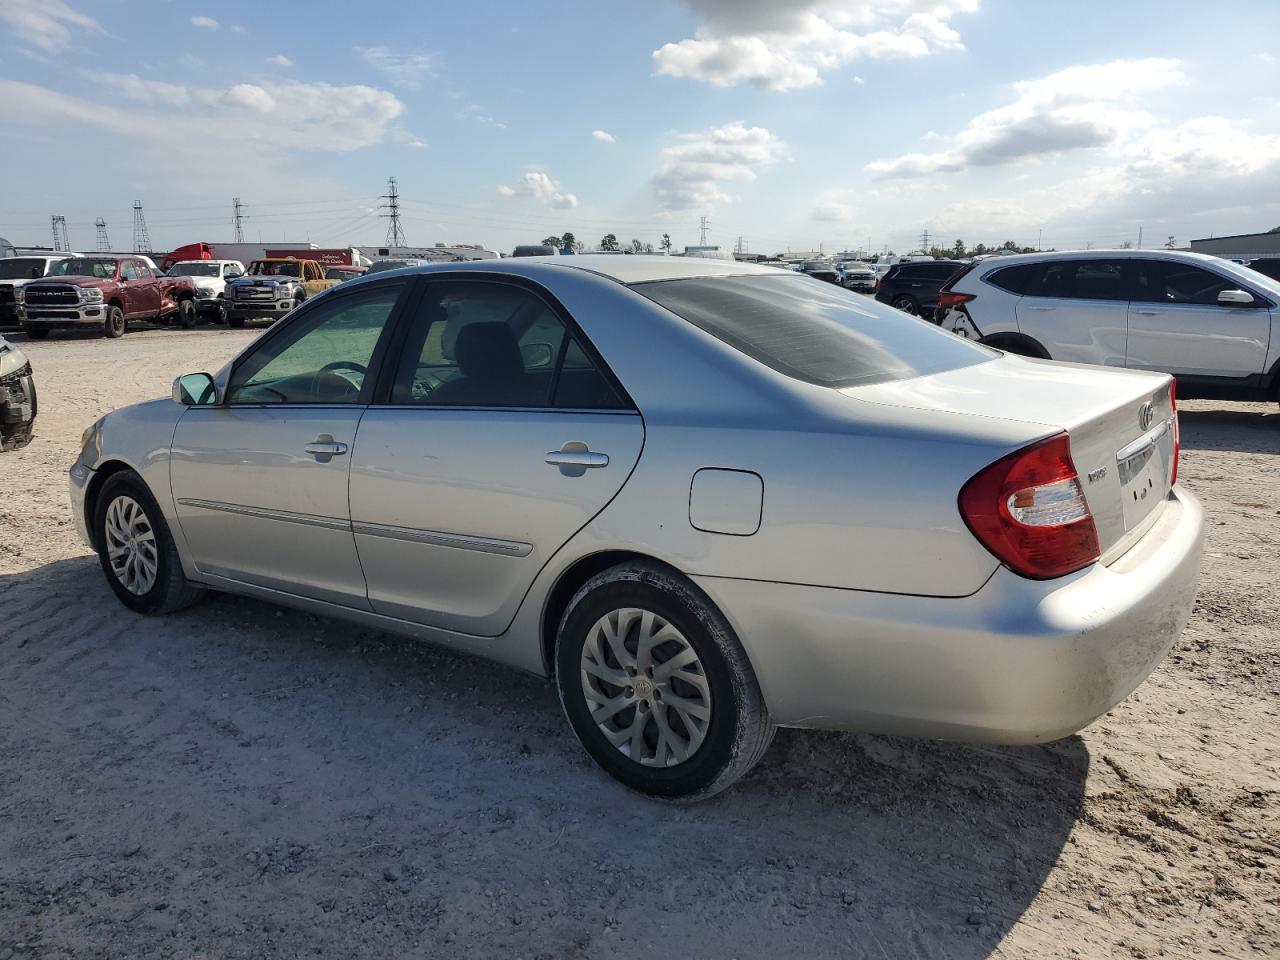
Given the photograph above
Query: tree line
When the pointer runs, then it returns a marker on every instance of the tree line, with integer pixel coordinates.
(609, 243)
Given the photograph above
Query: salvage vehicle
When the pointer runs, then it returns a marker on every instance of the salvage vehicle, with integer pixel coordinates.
(912, 286)
(17, 398)
(1212, 323)
(210, 280)
(344, 272)
(708, 498)
(106, 291)
(272, 288)
(17, 271)
(820, 270)
(858, 276)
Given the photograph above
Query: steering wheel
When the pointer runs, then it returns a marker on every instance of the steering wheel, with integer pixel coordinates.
(333, 368)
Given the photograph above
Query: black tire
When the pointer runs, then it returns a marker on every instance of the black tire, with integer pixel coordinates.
(186, 315)
(906, 304)
(171, 590)
(235, 323)
(37, 333)
(739, 730)
(1022, 346)
(223, 314)
(114, 325)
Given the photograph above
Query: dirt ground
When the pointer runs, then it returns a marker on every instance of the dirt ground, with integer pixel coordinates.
(242, 781)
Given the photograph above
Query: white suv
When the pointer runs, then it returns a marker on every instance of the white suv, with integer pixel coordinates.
(1212, 323)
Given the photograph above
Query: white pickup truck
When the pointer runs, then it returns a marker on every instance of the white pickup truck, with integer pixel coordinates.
(17, 272)
(210, 278)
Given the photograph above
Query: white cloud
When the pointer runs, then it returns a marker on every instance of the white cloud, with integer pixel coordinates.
(310, 116)
(280, 60)
(44, 23)
(236, 28)
(403, 69)
(542, 188)
(695, 168)
(473, 111)
(1076, 108)
(205, 23)
(603, 137)
(859, 81)
(1209, 147)
(782, 46)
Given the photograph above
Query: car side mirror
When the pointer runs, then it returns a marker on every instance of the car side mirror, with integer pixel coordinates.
(1236, 298)
(536, 355)
(195, 390)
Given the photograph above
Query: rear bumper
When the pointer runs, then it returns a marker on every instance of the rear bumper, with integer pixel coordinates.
(1020, 661)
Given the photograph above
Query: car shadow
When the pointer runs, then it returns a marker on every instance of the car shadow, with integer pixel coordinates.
(260, 776)
(1247, 430)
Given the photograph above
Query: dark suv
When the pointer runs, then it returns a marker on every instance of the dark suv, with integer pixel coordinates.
(913, 287)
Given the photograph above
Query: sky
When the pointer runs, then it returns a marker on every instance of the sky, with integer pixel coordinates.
(788, 124)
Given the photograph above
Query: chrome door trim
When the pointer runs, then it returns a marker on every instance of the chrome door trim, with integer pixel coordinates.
(307, 519)
(436, 538)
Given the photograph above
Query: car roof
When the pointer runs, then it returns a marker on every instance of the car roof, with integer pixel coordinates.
(1114, 254)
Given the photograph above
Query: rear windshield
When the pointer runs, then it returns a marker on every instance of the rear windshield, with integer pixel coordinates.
(815, 332)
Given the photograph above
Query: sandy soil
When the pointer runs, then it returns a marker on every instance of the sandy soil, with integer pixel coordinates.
(243, 781)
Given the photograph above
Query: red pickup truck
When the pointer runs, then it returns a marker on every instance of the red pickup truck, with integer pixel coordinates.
(108, 292)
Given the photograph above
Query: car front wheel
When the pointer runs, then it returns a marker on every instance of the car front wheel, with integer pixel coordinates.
(656, 685)
(113, 326)
(136, 548)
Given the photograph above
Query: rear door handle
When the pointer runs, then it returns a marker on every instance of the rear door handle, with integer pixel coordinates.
(1043, 309)
(1147, 313)
(324, 448)
(575, 458)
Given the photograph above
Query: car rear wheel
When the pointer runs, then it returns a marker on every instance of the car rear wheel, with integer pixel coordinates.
(113, 326)
(186, 315)
(656, 685)
(136, 548)
(906, 305)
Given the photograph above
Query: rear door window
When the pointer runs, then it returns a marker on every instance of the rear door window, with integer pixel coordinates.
(1082, 280)
(818, 333)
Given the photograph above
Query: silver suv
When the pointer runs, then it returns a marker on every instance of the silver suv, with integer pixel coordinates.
(1210, 322)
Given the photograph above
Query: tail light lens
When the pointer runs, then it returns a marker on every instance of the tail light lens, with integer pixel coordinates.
(878, 281)
(1177, 434)
(947, 299)
(1029, 510)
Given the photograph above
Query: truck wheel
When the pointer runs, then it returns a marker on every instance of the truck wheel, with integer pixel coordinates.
(113, 326)
(186, 315)
(223, 314)
(37, 333)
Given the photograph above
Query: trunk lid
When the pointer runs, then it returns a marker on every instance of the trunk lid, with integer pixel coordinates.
(1120, 423)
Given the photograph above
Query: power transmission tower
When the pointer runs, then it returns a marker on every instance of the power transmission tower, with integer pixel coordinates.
(141, 239)
(740, 246)
(924, 241)
(703, 225)
(59, 224)
(239, 212)
(104, 244)
(395, 234)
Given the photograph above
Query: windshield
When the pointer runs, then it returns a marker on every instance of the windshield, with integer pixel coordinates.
(275, 269)
(816, 332)
(200, 268)
(21, 268)
(84, 267)
(816, 265)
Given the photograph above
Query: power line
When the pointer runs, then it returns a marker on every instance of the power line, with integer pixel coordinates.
(141, 239)
(238, 209)
(104, 244)
(395, 233)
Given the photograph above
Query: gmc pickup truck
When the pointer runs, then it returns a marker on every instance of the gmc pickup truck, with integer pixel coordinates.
(273, 287)
(105, 291)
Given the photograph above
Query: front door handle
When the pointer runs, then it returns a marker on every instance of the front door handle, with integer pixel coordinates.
(1043, 309)
(1147, 313)
(324, 448)
(575, 458)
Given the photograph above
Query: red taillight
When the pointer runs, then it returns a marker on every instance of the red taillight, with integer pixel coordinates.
(877, 287)
(949, 299)
(1177, 435)
(1029, 510)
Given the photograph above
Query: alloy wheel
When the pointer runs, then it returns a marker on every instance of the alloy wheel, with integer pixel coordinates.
(645, 687)
(131, 545)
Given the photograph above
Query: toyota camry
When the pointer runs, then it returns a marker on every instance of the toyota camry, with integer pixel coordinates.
(708, 499)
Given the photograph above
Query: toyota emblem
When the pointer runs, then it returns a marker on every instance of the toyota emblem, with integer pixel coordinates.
(1146, 415)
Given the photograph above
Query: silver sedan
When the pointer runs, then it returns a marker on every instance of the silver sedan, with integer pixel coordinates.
(707, 498)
